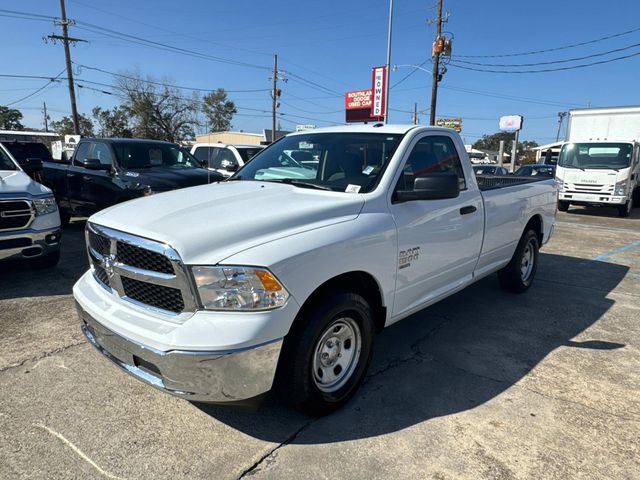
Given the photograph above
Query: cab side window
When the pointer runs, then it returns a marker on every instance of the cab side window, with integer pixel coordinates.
(82, 153)
(225, 158)
(102, 152)
(432, 154)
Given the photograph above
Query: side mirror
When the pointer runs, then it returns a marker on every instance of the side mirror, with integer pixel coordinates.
(31, 165)
(94, 164)
(431, 186)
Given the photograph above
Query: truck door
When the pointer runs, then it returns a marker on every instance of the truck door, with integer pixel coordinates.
(439, 241)
(91, 190)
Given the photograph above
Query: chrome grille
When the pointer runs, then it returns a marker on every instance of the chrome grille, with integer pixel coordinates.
(147, 273)
(15, 214)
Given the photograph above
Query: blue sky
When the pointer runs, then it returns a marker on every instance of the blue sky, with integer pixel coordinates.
(326, 48)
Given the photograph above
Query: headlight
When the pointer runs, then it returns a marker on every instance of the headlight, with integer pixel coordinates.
(238, 288)
(621, 188)
(45, 205)
(560, 184)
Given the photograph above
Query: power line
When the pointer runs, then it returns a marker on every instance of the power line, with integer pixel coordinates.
(163, 84)
(546, 70)
(554, 49)
(567, 60)
(49, 83)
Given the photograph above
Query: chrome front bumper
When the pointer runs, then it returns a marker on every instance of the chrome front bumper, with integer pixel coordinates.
(28, 243)
(213, 377)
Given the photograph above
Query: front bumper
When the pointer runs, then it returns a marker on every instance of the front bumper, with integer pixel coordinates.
(212, 377)
(592, 198)
(29, 243)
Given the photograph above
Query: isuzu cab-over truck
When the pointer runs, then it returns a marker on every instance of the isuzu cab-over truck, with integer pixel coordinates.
(599, 164)
(280, 277)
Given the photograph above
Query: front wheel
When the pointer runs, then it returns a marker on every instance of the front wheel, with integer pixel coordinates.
(625, 210)
(563, 205)
(519, 273)
(326, 354)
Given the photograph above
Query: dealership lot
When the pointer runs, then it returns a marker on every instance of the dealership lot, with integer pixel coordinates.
(482, 385)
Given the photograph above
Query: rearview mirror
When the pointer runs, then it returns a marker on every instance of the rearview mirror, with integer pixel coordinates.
(94, 164)
(431, 186)
(31, 165)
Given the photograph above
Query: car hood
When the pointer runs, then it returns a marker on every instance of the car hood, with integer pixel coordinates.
(163, 179)
(14, 182)
(209, 223)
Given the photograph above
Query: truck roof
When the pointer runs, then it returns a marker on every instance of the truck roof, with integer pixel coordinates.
(370, 128)
(126, 140)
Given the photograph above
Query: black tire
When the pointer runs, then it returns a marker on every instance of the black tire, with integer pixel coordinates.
(48, 260)
(636, 197)
(512, 277)
(563, 205)
(296, 382)
(625, 210)
(65, 217)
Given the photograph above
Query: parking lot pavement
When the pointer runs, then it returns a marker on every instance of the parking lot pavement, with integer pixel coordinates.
(482, 385)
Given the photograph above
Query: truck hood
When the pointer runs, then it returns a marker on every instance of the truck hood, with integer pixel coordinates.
(209, 223)
(14, 182)
(163, 179)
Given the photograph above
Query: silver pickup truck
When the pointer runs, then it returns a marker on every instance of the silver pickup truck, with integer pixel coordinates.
(29, 219)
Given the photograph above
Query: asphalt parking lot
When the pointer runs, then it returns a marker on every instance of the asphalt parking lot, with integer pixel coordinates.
(482, 385)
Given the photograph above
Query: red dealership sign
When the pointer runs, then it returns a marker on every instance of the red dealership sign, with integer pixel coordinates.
(357, 105)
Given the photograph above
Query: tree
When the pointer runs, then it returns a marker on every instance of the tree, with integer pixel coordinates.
(492, 142)
(10, 119)
(112, 123)
(218, 110)
(157, 112)
(64, 126)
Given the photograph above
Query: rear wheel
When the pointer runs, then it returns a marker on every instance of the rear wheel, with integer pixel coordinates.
(518, 275)
(563, 205)
(326, 355)
(625, 210)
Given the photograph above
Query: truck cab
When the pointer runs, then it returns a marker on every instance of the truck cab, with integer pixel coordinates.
(599, 173)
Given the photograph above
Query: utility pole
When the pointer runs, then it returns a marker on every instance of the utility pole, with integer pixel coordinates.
(415, 113)
(386, 80)
(561, 115)
(435, 55)
(46, 120)
(66, 39)
(274, 98)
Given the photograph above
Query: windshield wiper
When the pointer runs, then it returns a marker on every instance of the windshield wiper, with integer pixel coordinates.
(299, 183)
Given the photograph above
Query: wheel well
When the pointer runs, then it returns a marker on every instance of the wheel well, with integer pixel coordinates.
(361, 283)
(535, 224)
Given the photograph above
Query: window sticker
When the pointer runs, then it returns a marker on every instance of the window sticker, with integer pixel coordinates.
(155, 156)
(368, 170)
(352, 188)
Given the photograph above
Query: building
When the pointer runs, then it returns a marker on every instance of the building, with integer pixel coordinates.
(541, 152)
(240, 138)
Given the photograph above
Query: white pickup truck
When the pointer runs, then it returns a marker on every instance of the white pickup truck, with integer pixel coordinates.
(281, 276)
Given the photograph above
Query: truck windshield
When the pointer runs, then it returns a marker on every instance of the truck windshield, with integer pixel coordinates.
(5, 162)
(351, 162)
(136, 155)
(595, 155)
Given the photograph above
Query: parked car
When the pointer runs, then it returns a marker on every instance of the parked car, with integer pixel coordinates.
(26, 153)
(29, 220)
(223, 158)
(536, 169)
(103, 172)
(287, 286)
(490, 170)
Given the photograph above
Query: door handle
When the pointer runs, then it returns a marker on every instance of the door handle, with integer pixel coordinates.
(468, 209)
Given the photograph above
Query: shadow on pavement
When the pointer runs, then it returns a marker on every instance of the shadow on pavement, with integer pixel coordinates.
(20, 279)
(457, 354)
(595, 211)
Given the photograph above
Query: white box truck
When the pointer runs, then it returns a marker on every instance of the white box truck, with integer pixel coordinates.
(598, 163)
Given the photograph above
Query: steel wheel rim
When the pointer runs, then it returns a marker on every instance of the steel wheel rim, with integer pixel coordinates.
(336, 354)
(528, 259)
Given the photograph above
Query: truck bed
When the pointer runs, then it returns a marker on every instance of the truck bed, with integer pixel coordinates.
(492, 182)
